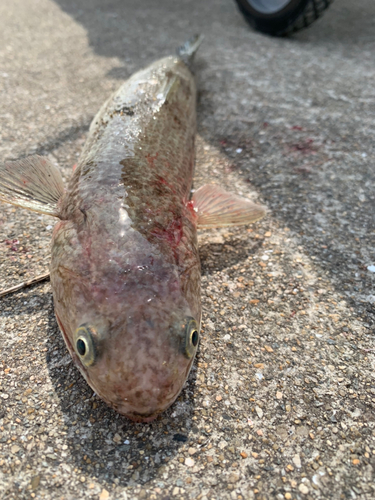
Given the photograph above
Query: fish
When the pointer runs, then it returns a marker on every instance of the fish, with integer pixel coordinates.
(125, 271)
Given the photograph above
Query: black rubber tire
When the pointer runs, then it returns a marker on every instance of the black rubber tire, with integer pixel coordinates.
(296, 15)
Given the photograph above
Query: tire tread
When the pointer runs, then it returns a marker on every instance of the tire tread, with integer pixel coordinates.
(313, 11)
(300, 20)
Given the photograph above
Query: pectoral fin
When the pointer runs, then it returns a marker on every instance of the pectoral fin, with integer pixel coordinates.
(33, 183)
(216, 207)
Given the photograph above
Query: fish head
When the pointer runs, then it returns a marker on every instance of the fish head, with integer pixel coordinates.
(133, 338)
(138, 368)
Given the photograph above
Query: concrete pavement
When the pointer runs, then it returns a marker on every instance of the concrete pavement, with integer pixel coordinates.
(280, 401)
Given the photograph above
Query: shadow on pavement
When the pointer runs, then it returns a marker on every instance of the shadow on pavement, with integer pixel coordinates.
(126, 29)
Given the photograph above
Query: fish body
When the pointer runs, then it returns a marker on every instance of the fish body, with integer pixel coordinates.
(125, 269)
(124, 256)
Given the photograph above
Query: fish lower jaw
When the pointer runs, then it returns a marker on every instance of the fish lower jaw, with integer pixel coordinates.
(145, 417)
(140, 419)
(133, 415)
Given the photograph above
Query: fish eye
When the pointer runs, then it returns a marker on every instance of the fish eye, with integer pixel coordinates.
(191, 337)
(81, 346)
(84, 345)
(194, 337)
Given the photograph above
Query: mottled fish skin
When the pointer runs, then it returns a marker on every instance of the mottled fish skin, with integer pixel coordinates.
(124, 255)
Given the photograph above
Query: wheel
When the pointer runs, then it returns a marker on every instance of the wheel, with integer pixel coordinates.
(282, 17)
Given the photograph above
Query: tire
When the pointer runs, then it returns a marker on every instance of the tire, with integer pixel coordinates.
(282, 17)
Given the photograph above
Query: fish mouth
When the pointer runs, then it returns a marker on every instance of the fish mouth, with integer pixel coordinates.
(143, 419)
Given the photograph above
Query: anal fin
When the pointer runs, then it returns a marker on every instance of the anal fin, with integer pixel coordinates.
(33, 183)
(216, 207)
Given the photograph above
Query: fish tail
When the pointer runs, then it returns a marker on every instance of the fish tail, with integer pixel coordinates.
(188, 50)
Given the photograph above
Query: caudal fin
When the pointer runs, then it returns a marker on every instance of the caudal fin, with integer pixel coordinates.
(188, 50)
(33, 183)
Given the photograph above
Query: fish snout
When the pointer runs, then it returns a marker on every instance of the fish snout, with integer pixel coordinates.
(150, 395)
